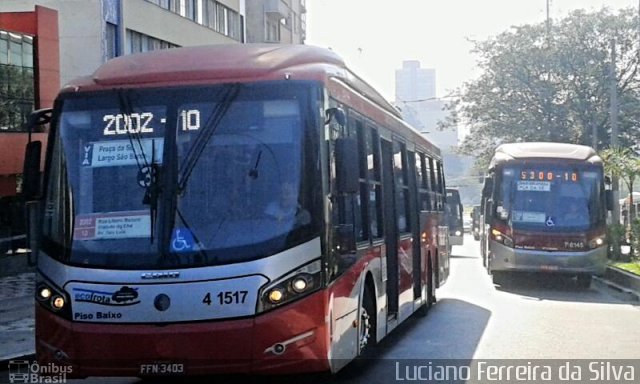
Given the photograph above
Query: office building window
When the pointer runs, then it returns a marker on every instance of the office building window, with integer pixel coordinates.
(209, 13)
(191, 9)
(139, 42)
(17, 98)
(111, 41)
(273, 30)
(235, 25)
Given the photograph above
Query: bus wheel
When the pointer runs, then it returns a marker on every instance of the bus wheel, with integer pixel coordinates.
(367, 323)
(499, 277)
(584, 281)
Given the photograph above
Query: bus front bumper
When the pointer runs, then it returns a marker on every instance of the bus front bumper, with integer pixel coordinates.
(503, 258)
(248, 346)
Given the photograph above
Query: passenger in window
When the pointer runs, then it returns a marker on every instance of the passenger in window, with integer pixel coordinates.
(287, 208)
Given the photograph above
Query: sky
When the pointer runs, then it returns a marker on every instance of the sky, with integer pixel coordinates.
(375, 37)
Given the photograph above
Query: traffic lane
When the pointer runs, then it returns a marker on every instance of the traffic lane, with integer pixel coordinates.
(546, 316)
(553, 319)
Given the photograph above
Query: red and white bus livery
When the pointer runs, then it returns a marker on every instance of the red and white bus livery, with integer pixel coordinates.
(231, 208)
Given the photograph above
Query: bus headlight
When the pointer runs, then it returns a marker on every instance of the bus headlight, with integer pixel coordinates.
(57, 302)
(300, 284)
(276, 295)
(292, 286)
(53, 298)
(596, 242)
(44, 293)
(501, 238)
(458, 233)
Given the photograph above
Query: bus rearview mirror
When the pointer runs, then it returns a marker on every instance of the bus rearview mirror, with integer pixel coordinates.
(31, 171)
(337, 114)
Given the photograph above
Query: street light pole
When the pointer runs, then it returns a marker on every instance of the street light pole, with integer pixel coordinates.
(613, 119)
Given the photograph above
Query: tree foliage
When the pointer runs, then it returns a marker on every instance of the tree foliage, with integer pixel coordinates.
(551, 83)
(625, 164)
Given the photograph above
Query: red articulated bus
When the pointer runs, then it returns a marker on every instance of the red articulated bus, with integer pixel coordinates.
(231, 208)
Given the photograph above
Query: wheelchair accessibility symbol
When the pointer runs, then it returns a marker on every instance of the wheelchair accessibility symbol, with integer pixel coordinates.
(182, 240)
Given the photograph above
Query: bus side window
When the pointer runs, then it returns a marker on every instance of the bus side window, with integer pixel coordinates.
(422, 182)
(347, 212)
(401, 186)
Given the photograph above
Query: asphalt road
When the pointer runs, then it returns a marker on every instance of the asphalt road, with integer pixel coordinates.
(532, 318)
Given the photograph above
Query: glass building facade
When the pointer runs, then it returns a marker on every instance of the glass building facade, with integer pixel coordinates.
(17, 96)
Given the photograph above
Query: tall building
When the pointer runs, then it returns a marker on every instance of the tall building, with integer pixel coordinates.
(276, 21)
(414, 83)
(416, 98)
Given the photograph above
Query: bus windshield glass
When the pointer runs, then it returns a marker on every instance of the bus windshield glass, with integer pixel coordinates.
(551, 197)
(182, 176)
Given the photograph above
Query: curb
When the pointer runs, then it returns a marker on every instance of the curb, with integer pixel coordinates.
(623, 278)
(621, 281)
(613, 286)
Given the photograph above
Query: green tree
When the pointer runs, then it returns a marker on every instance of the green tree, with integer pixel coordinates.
(552, 84)
(625, 164)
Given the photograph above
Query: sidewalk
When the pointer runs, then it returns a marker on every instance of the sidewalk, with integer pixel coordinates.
(17, 327)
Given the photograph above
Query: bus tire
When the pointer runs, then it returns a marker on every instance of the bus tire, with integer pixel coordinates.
(499, 277)
(367, 323)
(583, 281)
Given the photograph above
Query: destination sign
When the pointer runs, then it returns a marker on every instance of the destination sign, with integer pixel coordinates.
(548, 175)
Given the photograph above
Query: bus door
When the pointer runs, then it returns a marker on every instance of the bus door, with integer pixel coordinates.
(414, 208)
(391, 229)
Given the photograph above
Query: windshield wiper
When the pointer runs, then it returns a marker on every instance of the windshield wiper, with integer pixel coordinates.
(192, 157)
(152, 190)
(253, 172)
(148, 174)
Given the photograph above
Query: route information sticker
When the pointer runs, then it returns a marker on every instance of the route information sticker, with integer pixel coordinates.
(116, 225)
(115, 153)
(537, 186)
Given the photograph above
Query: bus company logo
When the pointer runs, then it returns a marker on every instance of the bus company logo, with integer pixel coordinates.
(160, 275)
(23, 371)
(124, 296)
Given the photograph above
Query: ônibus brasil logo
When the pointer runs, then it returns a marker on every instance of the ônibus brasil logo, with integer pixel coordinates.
(23, 371)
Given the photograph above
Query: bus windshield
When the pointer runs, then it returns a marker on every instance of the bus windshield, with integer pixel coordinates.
(551, 197)
(182, 176)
